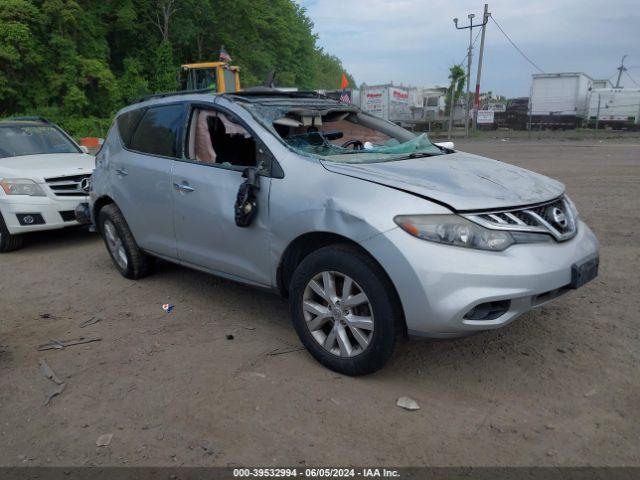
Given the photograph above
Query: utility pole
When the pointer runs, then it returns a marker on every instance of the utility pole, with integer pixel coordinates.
(598, 117)
(530, 110)
(467, 97)
(471, 26)
(621, 69)
(451, 92)
(476, 103)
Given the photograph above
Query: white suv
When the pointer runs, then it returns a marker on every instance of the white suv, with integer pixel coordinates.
(44, 175)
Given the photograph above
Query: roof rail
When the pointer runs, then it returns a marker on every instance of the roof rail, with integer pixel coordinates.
(29, 118)
(171, 94)
(275, 92)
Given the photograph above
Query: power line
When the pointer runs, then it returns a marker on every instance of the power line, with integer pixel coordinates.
(632, 79)
(472, 45)
(516, 47)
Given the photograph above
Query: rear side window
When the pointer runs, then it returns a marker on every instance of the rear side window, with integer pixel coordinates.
(127, 123)
(159, 131)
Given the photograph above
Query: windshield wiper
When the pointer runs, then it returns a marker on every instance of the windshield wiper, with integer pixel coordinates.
(421, 155)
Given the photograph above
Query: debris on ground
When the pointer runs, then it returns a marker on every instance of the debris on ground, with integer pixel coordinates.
(408, 403)
(48, 372)
(51, 375)
(590, 393)
(168, 307)
(91, 321)
(55, 392)
(229, 337)
(251, 375)
(281, 351)
(104, 440)
(47, 316)
(249, 328)
(59, 344)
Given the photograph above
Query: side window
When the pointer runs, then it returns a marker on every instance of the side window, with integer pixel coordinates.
(219, 138)
(159, 131)
(127, 123)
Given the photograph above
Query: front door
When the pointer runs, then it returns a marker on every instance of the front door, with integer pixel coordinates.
(205, 186)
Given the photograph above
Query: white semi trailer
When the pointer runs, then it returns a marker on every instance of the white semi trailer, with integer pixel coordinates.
(559, 100)
(389, 102)
(615, 107)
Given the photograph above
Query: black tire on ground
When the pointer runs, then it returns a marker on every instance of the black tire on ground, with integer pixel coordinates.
(139, 264)
(8, 242)
(387, 312)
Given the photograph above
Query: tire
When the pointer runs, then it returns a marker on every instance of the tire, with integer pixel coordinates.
(371, 348)
(8, 242)
(130, 261)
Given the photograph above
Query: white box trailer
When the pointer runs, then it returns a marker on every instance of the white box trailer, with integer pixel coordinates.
(387, 101)
(619, 107)
(559, 100)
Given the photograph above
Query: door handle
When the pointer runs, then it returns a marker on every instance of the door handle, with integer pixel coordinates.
(184, 187)
(122, 172)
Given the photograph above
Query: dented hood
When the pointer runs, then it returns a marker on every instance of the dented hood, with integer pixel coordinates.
(460, 180)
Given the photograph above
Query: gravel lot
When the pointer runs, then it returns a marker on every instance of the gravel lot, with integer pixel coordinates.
(560, 386)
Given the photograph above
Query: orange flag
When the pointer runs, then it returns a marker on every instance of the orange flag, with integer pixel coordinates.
(344, 83)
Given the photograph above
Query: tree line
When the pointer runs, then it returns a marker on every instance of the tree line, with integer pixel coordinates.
(79, 61)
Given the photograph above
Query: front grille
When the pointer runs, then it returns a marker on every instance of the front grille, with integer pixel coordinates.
(555, 218)
(70, 186)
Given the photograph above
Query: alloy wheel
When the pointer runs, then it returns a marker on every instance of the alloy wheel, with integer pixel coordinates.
(338, 314)
(115, 244)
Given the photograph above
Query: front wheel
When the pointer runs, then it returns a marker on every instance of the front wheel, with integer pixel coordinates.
(345, 310)
(8, 242)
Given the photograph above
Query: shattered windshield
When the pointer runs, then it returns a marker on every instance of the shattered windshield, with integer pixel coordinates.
(343, 134)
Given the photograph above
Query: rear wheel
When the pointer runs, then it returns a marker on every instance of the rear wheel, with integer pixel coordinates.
(8, 242)
(345, 310)
(130, 261)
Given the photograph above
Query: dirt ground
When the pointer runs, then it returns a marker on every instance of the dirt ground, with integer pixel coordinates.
(559, 386)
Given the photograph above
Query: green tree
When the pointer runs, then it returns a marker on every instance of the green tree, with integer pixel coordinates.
(164, 78)
(132, 83)
(79, 61)
(456, 87)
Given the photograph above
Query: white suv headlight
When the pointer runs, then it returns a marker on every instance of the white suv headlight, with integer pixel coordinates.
(460, 232)
(21, 186)
(454, 230)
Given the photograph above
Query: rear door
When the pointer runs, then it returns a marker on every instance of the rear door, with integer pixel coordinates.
(141, 174)
(205, 185)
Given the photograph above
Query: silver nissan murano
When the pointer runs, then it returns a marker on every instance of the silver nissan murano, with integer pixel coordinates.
(370, 230)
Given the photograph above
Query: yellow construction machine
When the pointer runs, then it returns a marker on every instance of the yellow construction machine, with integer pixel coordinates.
(217, 76)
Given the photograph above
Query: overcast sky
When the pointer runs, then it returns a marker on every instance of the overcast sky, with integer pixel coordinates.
(414, 42)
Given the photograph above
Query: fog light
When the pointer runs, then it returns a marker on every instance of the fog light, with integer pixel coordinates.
(29, 219)
(488, 310)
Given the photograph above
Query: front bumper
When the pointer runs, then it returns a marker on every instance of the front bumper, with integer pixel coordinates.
(49, 213)
(438, 285)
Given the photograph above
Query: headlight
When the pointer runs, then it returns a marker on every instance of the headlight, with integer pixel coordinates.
(454, 230)
(21, 186)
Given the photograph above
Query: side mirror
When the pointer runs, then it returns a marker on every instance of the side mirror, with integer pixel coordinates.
(84, 149)
(447, 145)
(246, 205)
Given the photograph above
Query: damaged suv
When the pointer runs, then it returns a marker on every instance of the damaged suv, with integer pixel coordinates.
(371, 231)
